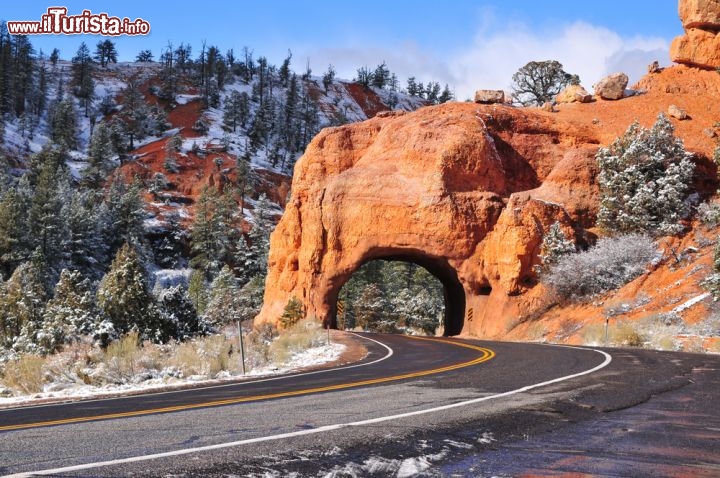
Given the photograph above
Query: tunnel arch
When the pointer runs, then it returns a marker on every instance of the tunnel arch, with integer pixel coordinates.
(438, 267)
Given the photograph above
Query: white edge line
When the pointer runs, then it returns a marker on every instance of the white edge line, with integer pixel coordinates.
(234, 383)
(326, 428)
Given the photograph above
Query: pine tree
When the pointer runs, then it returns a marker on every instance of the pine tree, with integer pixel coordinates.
(82, 81)
(292, 313)
(134, 111)
(237, 110)
(198, 291)
(554, 245)
(100, 155)
(145, 56)
(45, 223)
(221, 308)
(179, 311)
(105, 52)
(14, 232)
(381, 76)
(446, 95)
(328, 77)
(22, 301)
(63, 124)
(70, 314)
(82, 245)
(124, 298)
(644, 179)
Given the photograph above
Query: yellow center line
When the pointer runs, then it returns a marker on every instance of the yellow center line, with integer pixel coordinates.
(487, 354)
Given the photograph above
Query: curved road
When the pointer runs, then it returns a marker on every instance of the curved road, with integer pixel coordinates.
(401, 400)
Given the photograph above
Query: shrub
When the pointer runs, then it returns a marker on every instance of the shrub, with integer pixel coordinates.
(25, 374)
(644, 180)
(122, 356)
(612, 263)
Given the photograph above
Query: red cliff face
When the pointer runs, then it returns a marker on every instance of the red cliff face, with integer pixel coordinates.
(700, 45)
(465, 190)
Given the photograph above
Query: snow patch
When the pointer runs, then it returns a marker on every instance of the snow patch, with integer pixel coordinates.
(686, 305)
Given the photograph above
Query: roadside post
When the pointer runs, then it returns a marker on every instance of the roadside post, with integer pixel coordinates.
(242, 346)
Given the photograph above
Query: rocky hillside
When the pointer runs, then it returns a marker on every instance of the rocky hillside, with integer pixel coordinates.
(469, 191)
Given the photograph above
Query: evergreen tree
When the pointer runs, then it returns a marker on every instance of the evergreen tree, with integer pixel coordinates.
(63, 124)
(328, 77)
(134, 111)
(145, 56)
(221, 308)
(22, 300)
(284, 71)
(554, 245)
(121, 216)
(125, 299)
(100, 155)
(212, 231)
(178, 310)
(105, 52)
(446, 95)
(82, 246)
(45, 223)
(364, 76)
(645, 176)
(381, 76)
(292, 313)
(14, 231)
(70, 314)
(198, 291)
(237, 110)
(82, 81)
(54, 56)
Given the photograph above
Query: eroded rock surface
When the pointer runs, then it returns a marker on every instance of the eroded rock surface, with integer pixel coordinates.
(700, 45)
(465, 190)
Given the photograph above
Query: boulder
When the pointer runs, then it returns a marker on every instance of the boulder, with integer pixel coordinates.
(612, 87)
(677, 112)
(574, 94)
(489, 96)
(654, 67)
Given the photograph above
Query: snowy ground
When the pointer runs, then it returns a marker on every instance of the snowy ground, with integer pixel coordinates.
(62, 392)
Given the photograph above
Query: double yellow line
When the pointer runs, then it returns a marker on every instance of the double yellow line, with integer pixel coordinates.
(486, 354)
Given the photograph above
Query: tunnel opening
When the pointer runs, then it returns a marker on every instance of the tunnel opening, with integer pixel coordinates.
(402, 293)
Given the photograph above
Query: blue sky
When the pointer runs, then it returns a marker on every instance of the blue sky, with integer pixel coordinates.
(467, 44)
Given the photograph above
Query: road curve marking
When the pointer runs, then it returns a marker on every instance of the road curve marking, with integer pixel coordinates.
(323, 429)
(233, 383)
(486, 354)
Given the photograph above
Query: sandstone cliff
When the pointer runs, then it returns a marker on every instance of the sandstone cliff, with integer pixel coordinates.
(467, 191)
(700, 45)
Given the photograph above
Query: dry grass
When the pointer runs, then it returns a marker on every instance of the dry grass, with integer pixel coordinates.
(25, 374)
(301, 336)
(122, 357)
(128, 360)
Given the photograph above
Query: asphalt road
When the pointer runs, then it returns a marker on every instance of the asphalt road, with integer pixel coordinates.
(486, 399)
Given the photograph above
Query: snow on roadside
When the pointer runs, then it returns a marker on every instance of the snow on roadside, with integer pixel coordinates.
(166, 379)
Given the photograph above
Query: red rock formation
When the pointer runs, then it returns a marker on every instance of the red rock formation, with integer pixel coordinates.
(453, 188)
(700, 45)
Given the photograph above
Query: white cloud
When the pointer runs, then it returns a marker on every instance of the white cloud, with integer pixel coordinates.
(491, 58)
(587, 50)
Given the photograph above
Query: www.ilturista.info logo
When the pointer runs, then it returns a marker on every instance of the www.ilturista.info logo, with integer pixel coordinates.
(57, 21)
